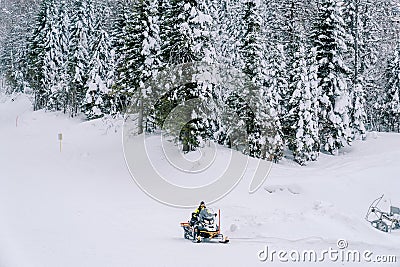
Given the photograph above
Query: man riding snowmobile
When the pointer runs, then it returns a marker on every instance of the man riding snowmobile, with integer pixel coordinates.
(196, 213)
(203, 226)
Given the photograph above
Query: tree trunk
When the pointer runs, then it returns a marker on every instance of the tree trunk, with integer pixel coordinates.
(140, 118)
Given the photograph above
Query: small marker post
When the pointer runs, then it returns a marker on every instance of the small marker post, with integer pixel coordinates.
(60, 137)
(219, 221)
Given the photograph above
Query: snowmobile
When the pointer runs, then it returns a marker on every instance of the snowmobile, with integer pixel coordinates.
(383, 221)
(205, 229)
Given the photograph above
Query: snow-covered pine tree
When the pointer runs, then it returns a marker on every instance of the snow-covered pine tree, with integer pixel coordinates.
(95, 103)
(251, 58)
(186, 39)
(148, 61)
(392, 99)
(119, 38)
(293, 27)
(313, 80)
(285, 23)
(380, 32)
(36, 56)
(263, 129)
(16, 24)
(79, 55)
(12, 60)
(47, 56)
(358, 114)
(95, 11)
(128, 40)
(292, 23)
(369, 61)
(111, 10)
(222, 34)
(277, 82)
(303, 135)
(139, 52)
(276, 25)
(276, 87)
(228, 27)
(63, 79)
(329, 39)
(186, 36)
(354, 59)
(123, 11)
(285, 17)
(54, 57)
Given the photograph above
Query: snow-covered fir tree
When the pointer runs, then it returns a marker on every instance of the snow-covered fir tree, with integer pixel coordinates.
(79, 57)
(63, 81)
(186, 36)
(303, 136)
(48, 56)
(186, 39)
(358, 114)
(13, 65)
(252, 54)
(119, 38)
(264, 129)
(128, 40)
(293, 39)
(229, 26)
(95, 103)
(392, 98)
(148, 61)
(37, 54)
(357, 49)
(54, 56)
(276, 86)
(17, 22)
(380, 33)
(277, 80)
(138, 50)
(315, 91)
(329, 38)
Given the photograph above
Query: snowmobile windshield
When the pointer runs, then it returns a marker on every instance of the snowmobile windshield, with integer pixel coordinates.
(207, 215)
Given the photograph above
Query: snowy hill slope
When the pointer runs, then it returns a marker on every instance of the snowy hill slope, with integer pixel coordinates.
(80, 207)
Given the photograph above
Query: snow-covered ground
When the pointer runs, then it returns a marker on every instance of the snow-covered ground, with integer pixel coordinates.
(80, 207)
